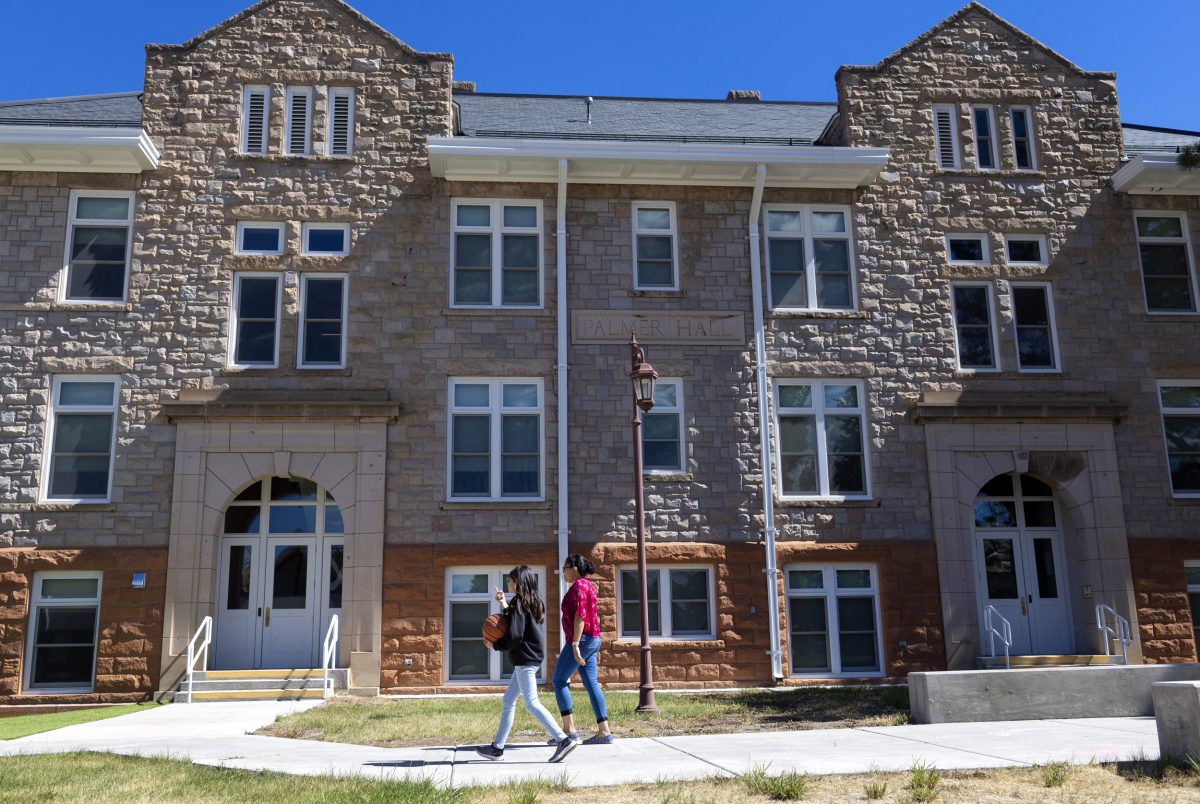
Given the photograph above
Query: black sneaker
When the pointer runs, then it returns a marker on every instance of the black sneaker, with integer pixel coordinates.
(489, 752)
(565, 746)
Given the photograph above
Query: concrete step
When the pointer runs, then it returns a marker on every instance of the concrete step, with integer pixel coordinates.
(257, 695)
(213, 675)
(1051, 660)
(210, 685)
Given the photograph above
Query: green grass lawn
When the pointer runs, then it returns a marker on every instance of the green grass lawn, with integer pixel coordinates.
(458, 720)
(24, 725)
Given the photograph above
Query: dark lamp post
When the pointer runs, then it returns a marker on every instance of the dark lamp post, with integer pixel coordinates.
(643, 376)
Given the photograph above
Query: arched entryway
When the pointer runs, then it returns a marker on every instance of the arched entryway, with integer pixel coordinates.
(1021, 567)
(279, 575)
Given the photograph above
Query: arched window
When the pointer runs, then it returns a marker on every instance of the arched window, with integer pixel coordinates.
(284, 505)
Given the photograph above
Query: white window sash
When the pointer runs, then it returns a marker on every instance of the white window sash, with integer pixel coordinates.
(303, 319)
(673, 233)
(982, 238)
(242, 226)
(73, 219)
(830, 594)
(36, 604)
(309, 226)
(1052, 328)
(666, 627)
(818, 411)
(1043, 249)
(339, 127)
(253, 129)
(235, 318)
(1185, 240)
(1165, 413)
(808, 236)
(677, 411)
(495, 411)
(496, 578)
(298, 136)
(496, 230)
(945, 136)
(1027, 111)
(56, 408)
(991, 144)
(994, 333)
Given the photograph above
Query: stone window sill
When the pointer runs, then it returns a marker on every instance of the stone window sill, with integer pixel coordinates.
(658, 294)
(630, 643)
(250, 371)
(827, 503)
(494, 505)
(307, 158)
(667, 477)
(844, 314)
(539, 312)
(101, 507)
(969, 173)
(1172, 318)
(69, 307)
(1184, 501)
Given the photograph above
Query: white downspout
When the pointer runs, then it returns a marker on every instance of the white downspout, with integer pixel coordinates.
(764, 392)
(560, 260)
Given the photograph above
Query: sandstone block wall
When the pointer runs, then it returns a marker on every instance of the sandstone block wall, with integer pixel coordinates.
(1164, 617)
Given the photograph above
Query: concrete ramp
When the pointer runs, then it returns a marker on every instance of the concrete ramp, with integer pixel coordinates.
(964, 696)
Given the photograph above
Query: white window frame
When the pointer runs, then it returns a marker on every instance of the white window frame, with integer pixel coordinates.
(73, 220)
(36, 602)
(312, 226)
(1193, 589)
(290, 95)
(340, 92)
(1029, 129)
(302, 319)
(496, 230)
(807, 235)
(678, 411)
(992, 324)
(673, 233)
(983, 238)
(266, 139)
(830, 593)
(1164, 412)
(235, 318)
(496, 577)
(1057, 367)
(1186, 240)
(952, 111)
(278, 226)
(664, 604)
(994, 145)
(818, 412)
(495, 411)
(1043, 246)
(56, 383)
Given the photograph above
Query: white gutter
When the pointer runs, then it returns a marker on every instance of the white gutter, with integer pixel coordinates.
(560, 246)
(764, 432)
(1156, 174)
(76, 149)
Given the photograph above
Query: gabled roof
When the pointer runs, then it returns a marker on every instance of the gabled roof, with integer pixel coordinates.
(338, 5)
(113, 110)
(1154, 139)
(634, 119)
(972, 8)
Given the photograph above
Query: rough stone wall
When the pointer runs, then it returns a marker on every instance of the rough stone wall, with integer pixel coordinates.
(1164, 618)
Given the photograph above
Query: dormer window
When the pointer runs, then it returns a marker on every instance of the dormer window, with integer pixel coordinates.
(255, 114)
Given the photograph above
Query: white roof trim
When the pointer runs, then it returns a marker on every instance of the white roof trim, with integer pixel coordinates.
(1156, 174)
(696, 164)
(76, 149)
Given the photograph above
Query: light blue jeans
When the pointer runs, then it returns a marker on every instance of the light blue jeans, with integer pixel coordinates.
(524, 684)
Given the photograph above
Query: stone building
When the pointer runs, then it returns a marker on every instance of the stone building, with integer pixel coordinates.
(306, 329)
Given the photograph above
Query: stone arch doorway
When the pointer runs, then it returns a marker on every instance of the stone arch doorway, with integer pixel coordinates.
(279, 575)
(1021, 563)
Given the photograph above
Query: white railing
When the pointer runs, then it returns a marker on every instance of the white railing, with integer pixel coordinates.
(329, 656)
(194, 652)
(1120, 630)
(990, 615)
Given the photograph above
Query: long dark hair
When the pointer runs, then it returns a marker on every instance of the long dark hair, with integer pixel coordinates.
(581, 565)
(526, 597)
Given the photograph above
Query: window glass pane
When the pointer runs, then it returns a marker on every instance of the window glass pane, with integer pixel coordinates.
(856, 634)
(1030, 306)
(971, 306)
(470, 476)
(998, 486)
(69, 588)
(471, 434)
(1181, 396)
(102, 209)
(1032, 487)
(658, 426)
(519, 287)
(99, 244)
(473, 251)
(841, 396)
(1039, 514)
(1034, 348)
(833, 272)
(975, 347)
(1000, 569)
(520, 396)
(323, 298)
(520, 251)
(655, 274)
(256, 342)
(242, 518)
(1194, 602)
(85, 393)
(1024, 250)
(473, 584)
(689, 584)
(992, 514)
(843, 434)
(293, 519)
(333, 520)
(64, 650)
(631, 609)
(858, 652)
(326, 240)
(1043, 558)
(519, 434)
(323, 342)
(1159, 227)
(1168, 294)
(476, 395)
(520, 216)
(1164, 259)
(788, 290)
(79, 476)
(823, 222)
(468, 654)
(83, 432)
(251, 492)
(260, 238)
(806, 579)
(237, 593)
(798, 434)
(471, 215)
(1183, 433)
(1193, 575)
(102, 282)
(784, 221)
(799, 474)
(336, 557)
(1185, 472)
(654, 247)
(854, 579)
(256, 297)
(519, 475)
(809, 642)
(787, 255)
(292, 488)
(966, 249)
(653, 218)
(795, 396)
(846, 474)
(289, 589)
(666, 394)
(689, 619)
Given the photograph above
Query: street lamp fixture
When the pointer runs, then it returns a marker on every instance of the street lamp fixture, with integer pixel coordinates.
(643, 377)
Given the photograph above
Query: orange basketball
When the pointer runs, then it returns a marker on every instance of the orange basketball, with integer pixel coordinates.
(494, 627)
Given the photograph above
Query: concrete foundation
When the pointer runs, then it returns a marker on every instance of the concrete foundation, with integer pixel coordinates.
(1177, 712)
(1058, 692)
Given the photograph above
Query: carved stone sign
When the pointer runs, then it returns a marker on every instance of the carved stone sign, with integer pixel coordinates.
(613, 326)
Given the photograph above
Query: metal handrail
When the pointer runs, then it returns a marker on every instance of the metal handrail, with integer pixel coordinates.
(1121, 633)
(202, 652)
(329, 656)
(1005, 633)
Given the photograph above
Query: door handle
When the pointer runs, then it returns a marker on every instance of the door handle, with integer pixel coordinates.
(268, 622)
(1022, 611)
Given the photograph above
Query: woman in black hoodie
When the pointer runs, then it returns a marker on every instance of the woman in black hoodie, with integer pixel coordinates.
(526, 646)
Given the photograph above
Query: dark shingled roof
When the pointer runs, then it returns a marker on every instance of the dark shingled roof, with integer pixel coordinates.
(115, 110)
(1152, 139)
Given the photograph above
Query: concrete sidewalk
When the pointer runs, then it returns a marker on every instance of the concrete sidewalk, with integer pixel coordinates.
(217, 734)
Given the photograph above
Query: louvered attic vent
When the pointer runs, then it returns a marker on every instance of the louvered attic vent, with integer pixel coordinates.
(946, 132)
(254, 123)
(341, 122)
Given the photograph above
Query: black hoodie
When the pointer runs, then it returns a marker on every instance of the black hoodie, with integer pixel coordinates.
(525, 640)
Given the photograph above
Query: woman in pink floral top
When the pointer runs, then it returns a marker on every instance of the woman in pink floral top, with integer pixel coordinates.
(582, 624)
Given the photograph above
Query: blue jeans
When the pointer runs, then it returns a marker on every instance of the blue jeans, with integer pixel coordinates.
(566, 666)
(524, 684)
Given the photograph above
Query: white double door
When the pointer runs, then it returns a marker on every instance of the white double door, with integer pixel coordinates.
(1022, 574)
(276, 597)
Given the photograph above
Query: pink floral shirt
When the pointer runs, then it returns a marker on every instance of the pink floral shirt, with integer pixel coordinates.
(580, 601)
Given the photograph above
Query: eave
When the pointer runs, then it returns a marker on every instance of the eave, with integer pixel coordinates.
(696, 164)
(1156, 174)
(76, 149)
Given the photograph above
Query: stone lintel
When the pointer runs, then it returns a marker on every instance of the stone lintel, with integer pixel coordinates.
(282, 411)
(964, 407)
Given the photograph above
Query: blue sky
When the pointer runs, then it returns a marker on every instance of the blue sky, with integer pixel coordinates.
(788, 49)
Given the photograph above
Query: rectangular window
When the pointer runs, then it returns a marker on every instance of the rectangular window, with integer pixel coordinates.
(967, 249)
(1033, 314)
(495, 439)
(64, 615)
(1180, 402)
(255, 325)
(1168, 271)
(822, 447)
(1192, 572)
(945, 130)
(496, 253)
(975, 326)
(325, 239)
(655, 248)
(680, 602)
(323, 312)
(99, 231)
(662, 429)
(298, 140)
(1026, 250)
(1022, 132)
(260, 238)
(810, 261)
(833, 620)
(256, 110)
(82, 438)
(984, 120)
(341, 121)
(469, 601)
